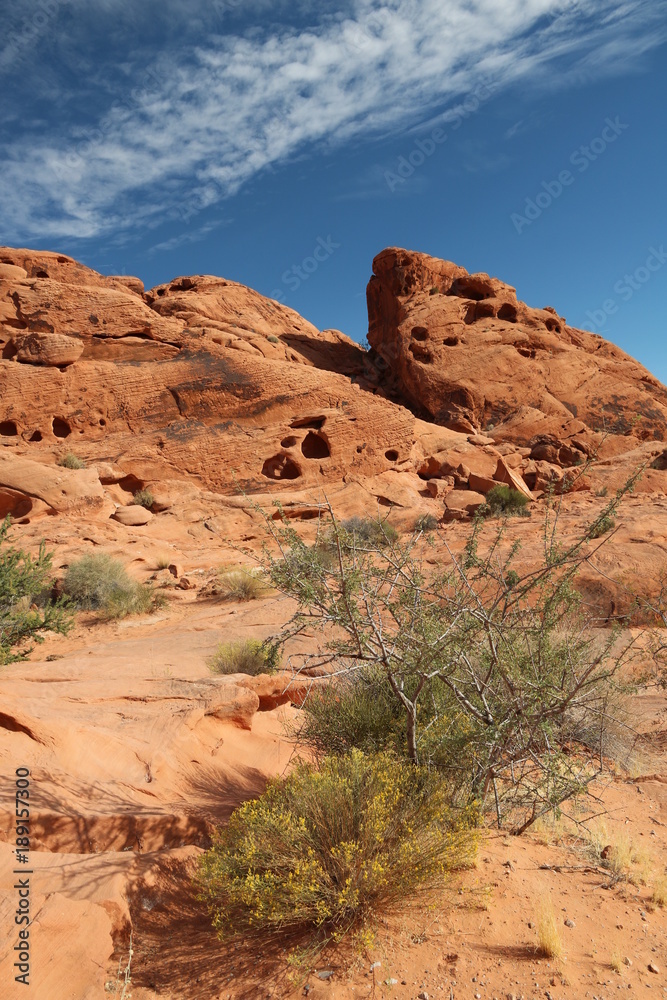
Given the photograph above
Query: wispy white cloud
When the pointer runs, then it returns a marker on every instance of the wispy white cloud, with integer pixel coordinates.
(226, 109)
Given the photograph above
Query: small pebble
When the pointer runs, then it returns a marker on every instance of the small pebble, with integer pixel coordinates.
(569, 923)
(652, 967)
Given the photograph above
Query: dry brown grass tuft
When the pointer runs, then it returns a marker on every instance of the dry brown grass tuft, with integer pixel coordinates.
(549, 941)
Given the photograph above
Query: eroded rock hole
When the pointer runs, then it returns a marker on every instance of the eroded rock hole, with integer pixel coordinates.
(479, 310)
(313, 423)
(131, 484)
(552, 326)
(36, 436)
(61, 428)
(41, 274)
(288, 442)
(472, 287)
(391, 455)
(281, 467)
(8, 428)
(419, 333)
(450, 341)
(507, 312)
(315, 446)
(421, 353)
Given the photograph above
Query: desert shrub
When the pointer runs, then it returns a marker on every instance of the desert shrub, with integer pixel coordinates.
(330, 847)
(70, 461)
(240, 585)
(434, 290)
(273, 340)
(504, 501)
(600, 527)
(497, 678)
(366, 531)
(99, 583)
(26, 607)
(427, 522)
(357, 712)
(163, 562)
(246, 656)
(144, 498)
(360, 711)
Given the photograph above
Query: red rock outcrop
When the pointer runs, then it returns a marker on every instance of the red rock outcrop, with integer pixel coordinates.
(201, 379)
(464, 352)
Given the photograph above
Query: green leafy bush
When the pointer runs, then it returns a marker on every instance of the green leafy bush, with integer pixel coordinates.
(70, 461)
(358, 711)
(240, 585)
(144, 498)
(246, 656)
(99, 583)
(494, 669)
(273, 340)
(434, 290)
(26, 608)
(504, 501)
(330, 847)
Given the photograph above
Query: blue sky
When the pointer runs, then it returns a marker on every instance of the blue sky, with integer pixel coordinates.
(284, 144)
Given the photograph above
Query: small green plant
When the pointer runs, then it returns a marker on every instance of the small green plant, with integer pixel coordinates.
(328, 848)
(246, 656)
(240, 585)
(99, 583)
(504, 501)
(427, 522)
(602, 526)
(144, 498)
(602, 492)
(70, 461)
(26, 607)
(273, 340)
(434, 290)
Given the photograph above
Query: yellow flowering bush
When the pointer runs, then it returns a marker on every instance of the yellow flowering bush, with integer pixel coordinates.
(329, 846)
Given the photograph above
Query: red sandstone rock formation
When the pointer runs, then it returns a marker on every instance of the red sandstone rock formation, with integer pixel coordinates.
(464, 352)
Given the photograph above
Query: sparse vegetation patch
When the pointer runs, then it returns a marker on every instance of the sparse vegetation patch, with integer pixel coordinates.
(246, 656)
(329, 847)
(99, 583)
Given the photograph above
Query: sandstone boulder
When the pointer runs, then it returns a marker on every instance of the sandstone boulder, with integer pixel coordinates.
(133, 515)
(64, 490)
(460, 504)
(48, 349)
(12, 271)
(510, 477)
